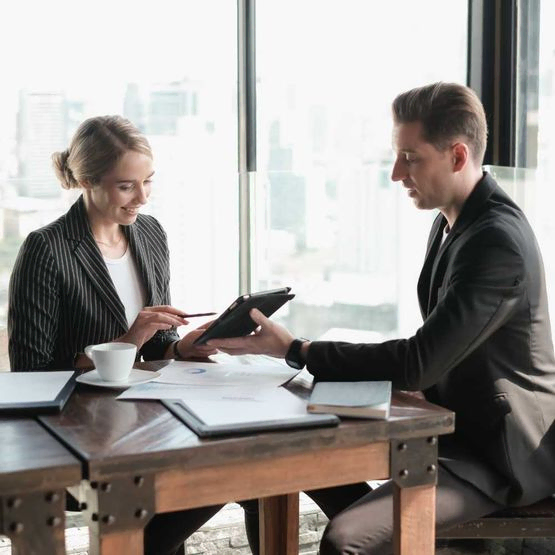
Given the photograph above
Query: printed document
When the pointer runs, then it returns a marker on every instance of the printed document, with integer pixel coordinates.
(225, 374)
(221, 405)
(240, 405)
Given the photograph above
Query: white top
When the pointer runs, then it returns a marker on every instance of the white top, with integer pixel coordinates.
(128, 283)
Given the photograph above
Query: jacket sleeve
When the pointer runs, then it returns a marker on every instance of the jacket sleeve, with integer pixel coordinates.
(33, 306)
(486, 284)
(156, 347)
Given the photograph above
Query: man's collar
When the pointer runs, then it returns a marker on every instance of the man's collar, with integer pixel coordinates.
(472, 206)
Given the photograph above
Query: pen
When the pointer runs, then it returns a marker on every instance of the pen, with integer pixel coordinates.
(198, 314)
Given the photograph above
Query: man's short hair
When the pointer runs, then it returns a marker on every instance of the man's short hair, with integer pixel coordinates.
(446, 111)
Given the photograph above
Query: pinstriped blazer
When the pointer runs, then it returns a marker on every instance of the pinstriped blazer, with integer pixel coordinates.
(62, 298)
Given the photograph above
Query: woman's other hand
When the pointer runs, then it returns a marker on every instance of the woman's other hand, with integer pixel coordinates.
(268, 339)
(150, 320)
(186, 348)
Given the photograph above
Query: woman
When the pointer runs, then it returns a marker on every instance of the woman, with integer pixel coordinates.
(100, 273)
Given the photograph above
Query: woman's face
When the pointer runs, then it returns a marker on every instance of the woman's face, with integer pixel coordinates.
(122, 191)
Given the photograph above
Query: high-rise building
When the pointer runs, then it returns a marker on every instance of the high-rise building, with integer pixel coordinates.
(162, 109)
(168, 105)
(42, 128)
(133, 106)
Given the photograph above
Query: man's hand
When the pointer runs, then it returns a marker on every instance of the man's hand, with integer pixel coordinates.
(268, 339)
(149, 321)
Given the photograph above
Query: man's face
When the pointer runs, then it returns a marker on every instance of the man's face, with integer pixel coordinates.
(426, 172)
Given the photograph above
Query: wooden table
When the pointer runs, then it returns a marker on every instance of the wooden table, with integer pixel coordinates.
(34, 473)
(139, 460)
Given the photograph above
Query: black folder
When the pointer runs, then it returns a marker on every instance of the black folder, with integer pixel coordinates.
(31, 397)
(202, 429)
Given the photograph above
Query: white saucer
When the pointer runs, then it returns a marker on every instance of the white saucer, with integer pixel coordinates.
(135, 378)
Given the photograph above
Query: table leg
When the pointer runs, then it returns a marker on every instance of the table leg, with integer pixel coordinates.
(414, 520)
(279, 525)
(127, 541)
(117, 510)
(34, 522)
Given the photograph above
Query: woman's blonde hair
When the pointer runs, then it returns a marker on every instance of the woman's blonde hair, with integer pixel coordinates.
(96, 147)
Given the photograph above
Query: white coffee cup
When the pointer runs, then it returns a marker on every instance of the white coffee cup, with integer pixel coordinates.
(113, 361)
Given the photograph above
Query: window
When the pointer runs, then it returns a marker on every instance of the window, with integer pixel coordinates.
(533, 182)
(329, 220)
(171, 68)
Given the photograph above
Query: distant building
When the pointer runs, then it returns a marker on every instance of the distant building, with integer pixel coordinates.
(133, 108)
(45, 123)
(161, 110)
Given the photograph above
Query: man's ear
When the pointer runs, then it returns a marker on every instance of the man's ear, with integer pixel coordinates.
(460, 154)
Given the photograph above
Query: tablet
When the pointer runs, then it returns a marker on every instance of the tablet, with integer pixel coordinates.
(235, 320)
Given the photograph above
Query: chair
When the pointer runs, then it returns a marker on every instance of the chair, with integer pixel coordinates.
(532, 521)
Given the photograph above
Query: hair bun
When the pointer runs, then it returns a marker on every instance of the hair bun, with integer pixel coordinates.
(62, 169)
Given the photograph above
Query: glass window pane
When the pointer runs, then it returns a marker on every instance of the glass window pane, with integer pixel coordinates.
(171, 68)
(536, 128)
(330, 222)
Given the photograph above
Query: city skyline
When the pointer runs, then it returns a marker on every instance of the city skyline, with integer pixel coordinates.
(197, 132)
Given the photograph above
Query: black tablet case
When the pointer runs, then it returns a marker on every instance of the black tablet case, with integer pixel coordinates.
(236, 322)
(182, 411)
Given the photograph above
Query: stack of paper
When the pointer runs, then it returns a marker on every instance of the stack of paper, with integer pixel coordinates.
(180, 378)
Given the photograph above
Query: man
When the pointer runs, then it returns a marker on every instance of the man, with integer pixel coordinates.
(484, 349)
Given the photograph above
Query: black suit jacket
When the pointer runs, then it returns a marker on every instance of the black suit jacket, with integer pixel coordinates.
(484, 350)
(62, 298)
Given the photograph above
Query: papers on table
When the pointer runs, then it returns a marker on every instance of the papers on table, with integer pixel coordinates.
(226, 374)
(230, 397)
(153, 390)
(243, 404)
(206, 380)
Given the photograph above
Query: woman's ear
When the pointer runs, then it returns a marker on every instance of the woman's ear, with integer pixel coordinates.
(85, 185)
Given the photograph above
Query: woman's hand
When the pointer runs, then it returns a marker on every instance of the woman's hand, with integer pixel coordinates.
(268, 339)
(186, 348)
(149, 321)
